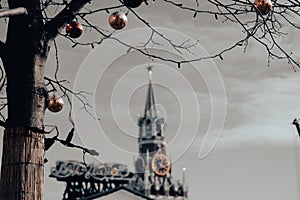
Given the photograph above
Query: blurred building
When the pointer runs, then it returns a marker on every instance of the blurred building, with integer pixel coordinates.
(152, 178)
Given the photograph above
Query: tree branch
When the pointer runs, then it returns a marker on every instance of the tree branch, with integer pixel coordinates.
(54, 26)
(2, 49)
(66, 142)
(13, 12)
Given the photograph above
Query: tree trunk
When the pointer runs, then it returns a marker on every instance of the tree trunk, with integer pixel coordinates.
(22, 165)
(24, 56)
(22, 175)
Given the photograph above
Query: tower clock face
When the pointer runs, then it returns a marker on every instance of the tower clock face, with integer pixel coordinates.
(160, 164)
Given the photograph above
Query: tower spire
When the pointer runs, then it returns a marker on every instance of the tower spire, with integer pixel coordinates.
(150, 109)
(149, 68)
(184, 184)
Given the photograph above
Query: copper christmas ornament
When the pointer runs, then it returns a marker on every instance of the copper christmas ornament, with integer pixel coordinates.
(118, 20)
(74, 29)
(263, 6)
(56, 104)
(133, 3)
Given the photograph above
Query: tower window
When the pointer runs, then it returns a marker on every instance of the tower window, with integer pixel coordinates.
(148, 122)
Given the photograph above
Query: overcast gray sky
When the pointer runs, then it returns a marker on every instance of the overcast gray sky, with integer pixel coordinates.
(257, 155)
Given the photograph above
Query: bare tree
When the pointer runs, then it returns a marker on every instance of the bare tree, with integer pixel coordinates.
(32, 28)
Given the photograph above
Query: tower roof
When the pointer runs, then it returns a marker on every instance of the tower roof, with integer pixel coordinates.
(150, 109)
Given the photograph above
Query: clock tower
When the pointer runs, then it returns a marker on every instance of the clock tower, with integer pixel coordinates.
(151, 132)
(153, 168)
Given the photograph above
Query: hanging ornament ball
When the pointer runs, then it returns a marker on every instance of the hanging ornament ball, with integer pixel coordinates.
(263, 6)
(133, 3)
(56, 104)
(74, 29)
(118, 20)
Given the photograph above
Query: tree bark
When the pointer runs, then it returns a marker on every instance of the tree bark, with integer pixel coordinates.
(22, 165)
(24, 57)
(22, 171)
